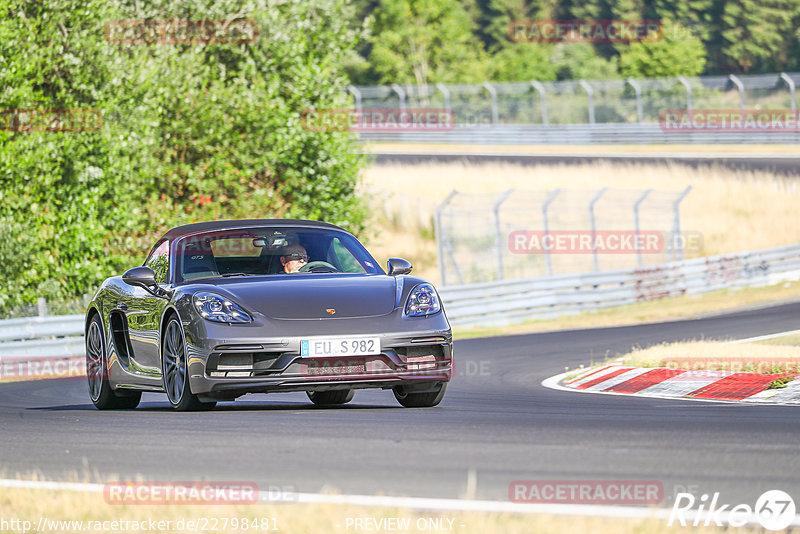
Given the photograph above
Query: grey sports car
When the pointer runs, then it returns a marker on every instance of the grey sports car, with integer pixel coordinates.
(225, 308)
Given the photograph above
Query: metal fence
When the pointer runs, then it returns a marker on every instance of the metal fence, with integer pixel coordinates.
(582, 111)
(504, 302)
(476, 233)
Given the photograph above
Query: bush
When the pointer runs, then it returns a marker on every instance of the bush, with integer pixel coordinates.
(190, 132)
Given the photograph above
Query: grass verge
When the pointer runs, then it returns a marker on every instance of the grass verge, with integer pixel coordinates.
(719, 356)
(91, 509)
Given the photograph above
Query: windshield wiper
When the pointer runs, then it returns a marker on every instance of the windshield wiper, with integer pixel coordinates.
(226, 275)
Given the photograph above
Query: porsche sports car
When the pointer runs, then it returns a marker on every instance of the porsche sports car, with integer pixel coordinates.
(225, 308)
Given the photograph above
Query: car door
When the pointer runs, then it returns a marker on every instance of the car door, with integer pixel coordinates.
(143, 315)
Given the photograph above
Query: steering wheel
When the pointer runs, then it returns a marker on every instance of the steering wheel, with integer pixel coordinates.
(317, 267)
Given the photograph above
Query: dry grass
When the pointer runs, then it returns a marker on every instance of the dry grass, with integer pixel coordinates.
(733, 210)
(31, 505)
(783, 340)
(715, 355)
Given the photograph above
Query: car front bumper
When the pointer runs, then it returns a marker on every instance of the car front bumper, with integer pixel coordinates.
(223, 366)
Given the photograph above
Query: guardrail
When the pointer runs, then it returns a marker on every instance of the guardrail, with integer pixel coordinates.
(575, 134)
(504, 302)
(33, 338)
(496, 303)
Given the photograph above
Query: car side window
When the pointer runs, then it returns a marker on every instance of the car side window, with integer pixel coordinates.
(346, 259)
(159, 262)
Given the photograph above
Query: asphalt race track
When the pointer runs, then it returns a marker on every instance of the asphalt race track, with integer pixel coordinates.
(496, 419)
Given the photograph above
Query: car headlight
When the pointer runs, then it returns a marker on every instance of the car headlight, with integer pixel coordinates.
(219, 309)
(422, 300)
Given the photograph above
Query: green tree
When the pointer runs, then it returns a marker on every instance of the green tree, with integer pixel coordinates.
(497, 15)
(418, 41)
(750, 35)
(574, 61)
(523, 61)
(676, 53)
(190, 132)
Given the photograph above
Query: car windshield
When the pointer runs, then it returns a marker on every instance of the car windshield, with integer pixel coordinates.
(272, 251)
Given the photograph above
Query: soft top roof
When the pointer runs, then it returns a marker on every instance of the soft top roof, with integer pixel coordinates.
(241, 223)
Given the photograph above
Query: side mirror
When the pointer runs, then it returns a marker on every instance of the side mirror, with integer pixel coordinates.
(397, 266)
(140, 276)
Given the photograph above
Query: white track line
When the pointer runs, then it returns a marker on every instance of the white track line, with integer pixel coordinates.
(768, 336)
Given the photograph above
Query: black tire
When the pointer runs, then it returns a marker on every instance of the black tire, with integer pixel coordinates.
(100, 391)
(419, 400)
(175, 371)
(327, 398)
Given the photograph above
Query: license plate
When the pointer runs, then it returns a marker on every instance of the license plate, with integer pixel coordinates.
(340, 346)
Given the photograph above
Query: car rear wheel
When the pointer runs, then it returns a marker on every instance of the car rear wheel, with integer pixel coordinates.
(103, 397)
(427, 399)
(322, 398)
(176, 372)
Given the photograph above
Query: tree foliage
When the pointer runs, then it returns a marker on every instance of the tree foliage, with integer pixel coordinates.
(190, 132)
(678, 53)
(418, 41)
(464, 41)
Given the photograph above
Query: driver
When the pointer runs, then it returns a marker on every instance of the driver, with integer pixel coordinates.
(294, 257)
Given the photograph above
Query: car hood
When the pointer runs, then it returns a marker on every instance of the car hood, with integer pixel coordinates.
(314, 296)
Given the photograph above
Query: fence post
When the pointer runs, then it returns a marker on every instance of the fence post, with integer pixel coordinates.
(41, 306)
(401, 94)
(550, 198)
(542, 99)
(638, 90)
(498, 238)
(357, 94)
(493, 93)
(446, 92)
(790, 82)
(437, 219)
(636, 224)
(676, 224)
(688, 88)
(738, 83)
(594, 227)
(590, 95)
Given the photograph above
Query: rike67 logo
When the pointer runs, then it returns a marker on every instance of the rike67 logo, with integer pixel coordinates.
(774, 510)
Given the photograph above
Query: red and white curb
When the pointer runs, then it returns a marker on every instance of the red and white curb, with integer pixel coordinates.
(660, 382)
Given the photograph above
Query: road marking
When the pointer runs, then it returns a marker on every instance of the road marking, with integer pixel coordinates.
(768, 336)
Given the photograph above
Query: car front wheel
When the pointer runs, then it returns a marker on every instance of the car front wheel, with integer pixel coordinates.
(426, 399)
(176, 371)
(322, 398)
